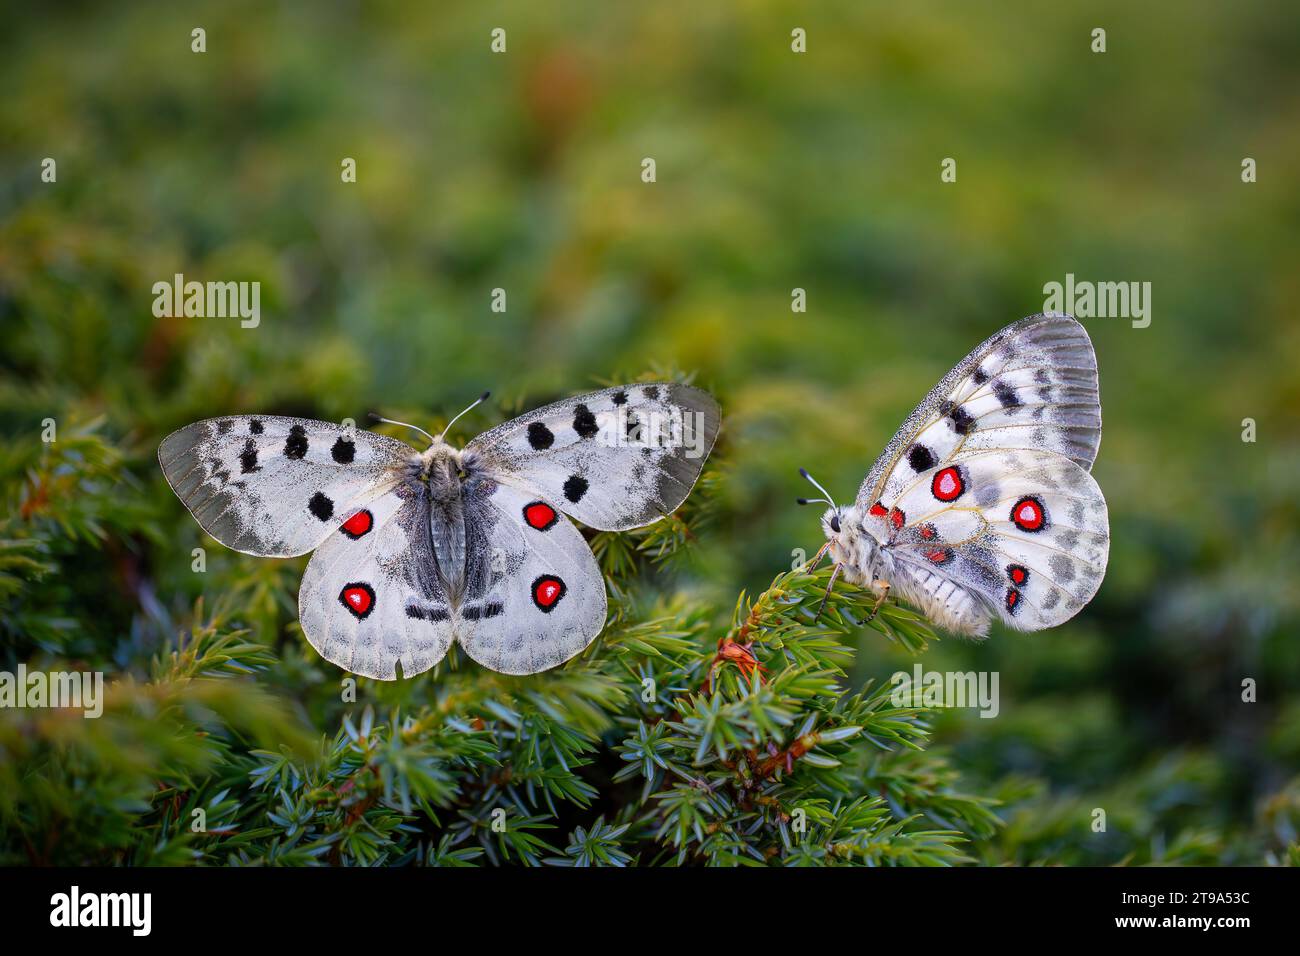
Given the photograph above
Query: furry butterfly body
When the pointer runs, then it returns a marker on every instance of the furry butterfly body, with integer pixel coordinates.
(414, 550)
(983, 506)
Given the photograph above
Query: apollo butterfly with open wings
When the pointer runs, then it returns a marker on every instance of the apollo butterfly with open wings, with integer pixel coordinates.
(416, 549)
(982, 505)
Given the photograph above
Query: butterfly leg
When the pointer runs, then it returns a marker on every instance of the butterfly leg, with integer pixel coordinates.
(817, 559)
(882, 592)
(835, 573)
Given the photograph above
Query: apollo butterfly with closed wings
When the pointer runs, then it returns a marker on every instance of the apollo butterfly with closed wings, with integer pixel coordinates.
(983, 505)
(416, 549)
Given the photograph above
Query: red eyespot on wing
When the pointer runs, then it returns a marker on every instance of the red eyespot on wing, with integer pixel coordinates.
(359, 524)
(1027, 514)
(540, 515)
(947, 484)
(1013, 599)
(928, 532)
(939, 555)
(878, 510)
(897, 518)
(547, 591)
(1018, 573)
(359, 598)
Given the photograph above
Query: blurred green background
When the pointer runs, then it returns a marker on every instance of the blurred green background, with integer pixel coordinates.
(775, 170)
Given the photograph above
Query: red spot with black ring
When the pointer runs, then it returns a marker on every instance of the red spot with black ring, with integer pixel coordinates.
(359, 524)
(547, 591)
(1028, 514)
(359, 598)
(947, 484)
(540, 515)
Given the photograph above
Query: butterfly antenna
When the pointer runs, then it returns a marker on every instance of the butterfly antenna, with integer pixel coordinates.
(477, 402)
(381, 418)
(813, 481)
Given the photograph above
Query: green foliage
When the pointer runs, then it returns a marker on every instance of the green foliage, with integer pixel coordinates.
(678, 738)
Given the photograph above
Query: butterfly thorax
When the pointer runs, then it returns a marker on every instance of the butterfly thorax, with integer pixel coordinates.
(439, 466)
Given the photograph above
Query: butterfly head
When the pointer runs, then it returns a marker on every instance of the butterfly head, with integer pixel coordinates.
(439, 459)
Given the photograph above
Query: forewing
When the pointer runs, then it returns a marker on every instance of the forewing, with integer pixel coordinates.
(1025, 530)
(275, 486)
(1031, 386)
(534, 595)
(371, 596)
(616, 459)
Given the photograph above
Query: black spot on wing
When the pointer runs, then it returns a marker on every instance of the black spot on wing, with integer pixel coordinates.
(1006, 395)
(980, 376)
(961, 420)
(584, 422)
(295, 446)
(322, 506)
(433, 614)
(651, 392)
(575, 487)
(224, 426)
(344, 451)
(540, 437)
(620, 398)
(920, 458)
(248, 458)
(255, 426)
(491, 609)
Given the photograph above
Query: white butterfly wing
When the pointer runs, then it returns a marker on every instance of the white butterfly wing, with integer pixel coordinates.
(1032, 385)
(371, 596)
(274, 486)
(1025, 530)
(615, 459)
(534, 595)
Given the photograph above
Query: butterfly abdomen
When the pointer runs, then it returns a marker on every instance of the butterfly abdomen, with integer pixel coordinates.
(943, 601)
